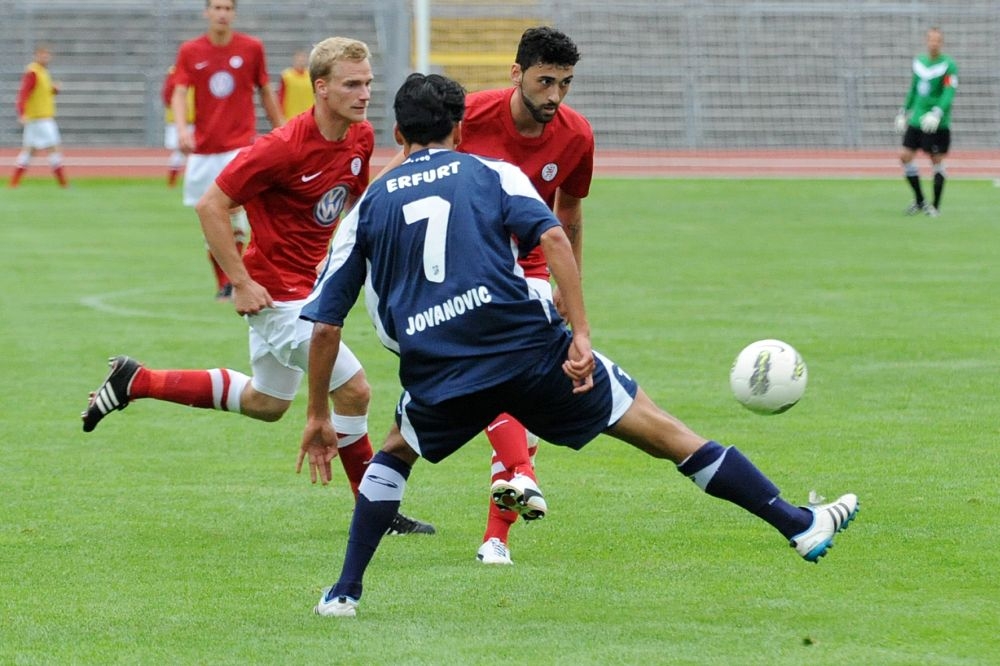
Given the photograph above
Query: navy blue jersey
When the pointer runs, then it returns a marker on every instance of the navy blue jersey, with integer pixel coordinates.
(435, 243)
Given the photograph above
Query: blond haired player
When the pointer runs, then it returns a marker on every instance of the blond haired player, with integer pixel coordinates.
(294, 182)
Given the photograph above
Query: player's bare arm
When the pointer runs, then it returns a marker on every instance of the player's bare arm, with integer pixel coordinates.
(319, 438)
(569, 210)
(580, 364)
(249, 297)
(272, 107)
(178, 104)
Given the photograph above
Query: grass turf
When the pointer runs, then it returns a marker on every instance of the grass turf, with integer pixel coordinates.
(173, 535)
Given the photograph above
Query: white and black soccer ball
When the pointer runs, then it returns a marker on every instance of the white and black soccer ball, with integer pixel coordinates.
(768, 377)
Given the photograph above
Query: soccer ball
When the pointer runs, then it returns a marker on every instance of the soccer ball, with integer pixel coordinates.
(768, 377)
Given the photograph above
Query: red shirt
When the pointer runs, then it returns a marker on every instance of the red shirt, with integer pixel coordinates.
(27, 85)
(294, 184)
(224, 79)
(561, 158)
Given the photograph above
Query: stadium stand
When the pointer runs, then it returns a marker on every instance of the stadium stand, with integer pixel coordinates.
(655, 74)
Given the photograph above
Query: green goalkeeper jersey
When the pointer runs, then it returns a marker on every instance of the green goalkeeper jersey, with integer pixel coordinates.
(933, 85)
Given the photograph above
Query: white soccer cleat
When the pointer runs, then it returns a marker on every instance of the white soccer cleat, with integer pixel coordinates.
(494, 551)
(337, 606)
(520, 494)
(828, 519)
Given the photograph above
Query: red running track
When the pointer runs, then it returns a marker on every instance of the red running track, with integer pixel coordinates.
(151, 162)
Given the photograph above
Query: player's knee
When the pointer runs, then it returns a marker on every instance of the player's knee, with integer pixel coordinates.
(653, 430)
(353, 396)
(396, 446)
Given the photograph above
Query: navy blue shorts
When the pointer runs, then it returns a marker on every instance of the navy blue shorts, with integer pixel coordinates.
(541, 398)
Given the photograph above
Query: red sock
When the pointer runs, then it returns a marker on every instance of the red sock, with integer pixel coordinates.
(16, 176)
(60, 175)
(510, 454)
(172, 177)
(498, 522)
(355, 457)
(510, 445)
(208, 389)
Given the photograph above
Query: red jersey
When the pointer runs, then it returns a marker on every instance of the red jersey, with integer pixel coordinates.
(561, 158)
(294, 184)
(224, 79)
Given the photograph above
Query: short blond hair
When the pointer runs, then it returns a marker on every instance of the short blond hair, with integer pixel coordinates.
(332, 49)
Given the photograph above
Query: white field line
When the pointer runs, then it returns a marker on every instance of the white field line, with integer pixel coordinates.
(105, 303)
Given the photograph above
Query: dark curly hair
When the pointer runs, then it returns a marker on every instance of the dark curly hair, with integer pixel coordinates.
(548, 46)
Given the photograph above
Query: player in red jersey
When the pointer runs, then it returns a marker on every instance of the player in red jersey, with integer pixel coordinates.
(294, 183)
(224, 67)
(528, 125)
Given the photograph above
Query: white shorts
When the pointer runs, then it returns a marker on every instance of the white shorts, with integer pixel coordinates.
(201, 172)
(279, 352)
(170, 141)
(42, 133)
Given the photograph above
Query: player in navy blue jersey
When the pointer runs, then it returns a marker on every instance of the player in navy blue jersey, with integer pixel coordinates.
(435, 243)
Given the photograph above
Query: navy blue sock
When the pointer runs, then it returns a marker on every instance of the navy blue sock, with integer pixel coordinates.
(379, 495)
(726, 473)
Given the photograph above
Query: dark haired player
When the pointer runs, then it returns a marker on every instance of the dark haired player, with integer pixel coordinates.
(434, 242)
(527, 124)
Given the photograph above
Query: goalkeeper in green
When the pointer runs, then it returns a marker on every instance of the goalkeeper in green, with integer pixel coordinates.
(925, 120)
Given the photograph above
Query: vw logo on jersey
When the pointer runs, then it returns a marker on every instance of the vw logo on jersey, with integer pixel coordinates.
(549, 171)
(356, 166)
(221, 85)
(328, 208)
(236, 62)
(923, 87)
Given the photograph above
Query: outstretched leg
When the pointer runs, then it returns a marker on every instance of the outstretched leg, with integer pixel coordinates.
(218, 388)
(724, 472)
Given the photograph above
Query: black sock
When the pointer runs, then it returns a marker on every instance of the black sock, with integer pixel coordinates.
(938, 188)
(914, 182)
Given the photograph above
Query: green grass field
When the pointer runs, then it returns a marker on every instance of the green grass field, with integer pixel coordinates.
(173, 535)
